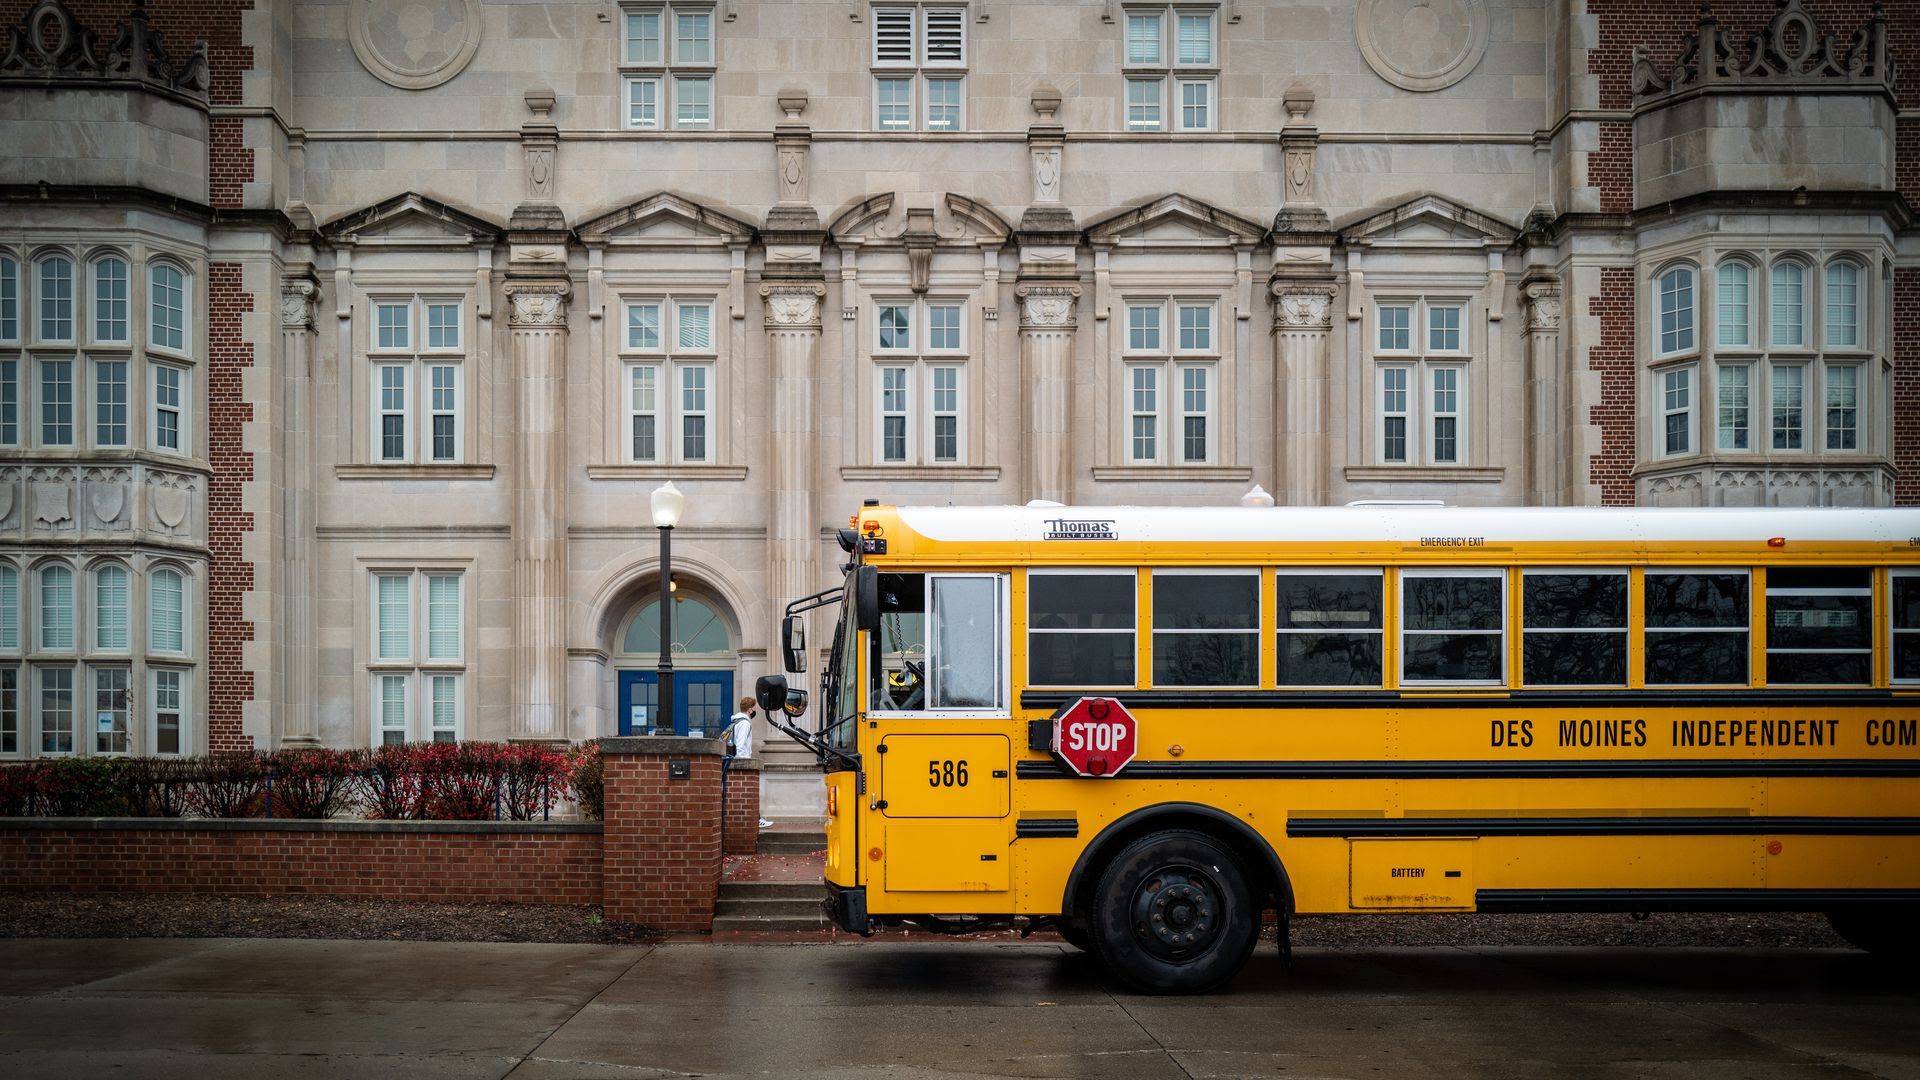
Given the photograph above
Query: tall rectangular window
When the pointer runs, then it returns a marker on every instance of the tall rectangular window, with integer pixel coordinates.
(167, 611)
(168, 709)
(1734, 300)
(445, 706)
(56, 710)
(919, 395)
(392, 617)
(418, 650)
(693, 412)
(1195, 439)
(393, 412)
(1080, 628)
(692, 102)
(1206, 628)
(9, 299)
(1446, 415)
(110, 403)
(418, 399)
(1330, 626)
(168, 407)
(1676, 311)
(9, 710)
(1789, 303)
(110, 701)
(1734, 419)
(919, 52)
(56, 608)
(110, 300)
(668, 380)
(1842, 314)
(56, 403)
(1819, 625)
(395, 717)
(643, 103)
(1843, 406)
(644, 410)
(443, 617)
(1573, 627)
(893, 414)
(111, 597)
(1196, 104)
(1696, 627)
(9, 402)
(9, 607)
(167, 288)
(1676, 410)
(946, 414)
(443, 413)
(1144, 413)
(56, 299)
(1789, 405)
(1394, 414)
(1453, 626)
(943, 104)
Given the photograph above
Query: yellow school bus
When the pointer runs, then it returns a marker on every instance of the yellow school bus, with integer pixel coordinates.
(1368, 709)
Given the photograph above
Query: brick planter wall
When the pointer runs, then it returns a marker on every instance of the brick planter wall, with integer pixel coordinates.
(662, 840)
(743, 807)
(520, 862)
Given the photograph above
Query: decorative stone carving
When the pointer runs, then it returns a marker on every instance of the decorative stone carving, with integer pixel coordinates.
(296, 304)
(53, 498)
(50, 45)
(1422, 44)
(1543, 305)
(170, 499)
(793, 173)
(9, 483)
(538, 303)
(1307, 307)
(107, 496)
(414, 44)
(794, 306)
(539, 140)
(1047, 307)
(1046, 174)
(1790, 51)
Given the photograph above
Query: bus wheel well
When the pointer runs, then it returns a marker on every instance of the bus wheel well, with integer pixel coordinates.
(1262, 866)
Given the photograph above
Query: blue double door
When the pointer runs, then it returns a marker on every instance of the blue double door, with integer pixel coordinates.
(702, 702)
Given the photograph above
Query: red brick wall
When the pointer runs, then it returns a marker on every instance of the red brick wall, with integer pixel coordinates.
(179, 24)
(1662, 25)
(229, 354)
(515, 864)
(1612, 467)
(1906, 385)
(743, 811)
(662, 840)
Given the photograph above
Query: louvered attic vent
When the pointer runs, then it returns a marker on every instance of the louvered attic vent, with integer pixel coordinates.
(893, 36)
(946, 35)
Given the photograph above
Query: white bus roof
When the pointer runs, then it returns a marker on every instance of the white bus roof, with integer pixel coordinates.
(1406, 524)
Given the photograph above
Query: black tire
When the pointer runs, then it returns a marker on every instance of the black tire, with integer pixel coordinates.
(1886, 933)
(1074, 933)
(1174, 914)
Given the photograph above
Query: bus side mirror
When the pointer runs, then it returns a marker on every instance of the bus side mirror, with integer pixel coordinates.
(771, 692)
(796, 705)
(866, 598)
(793, 643)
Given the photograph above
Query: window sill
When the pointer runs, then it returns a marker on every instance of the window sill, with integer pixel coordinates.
(1432, 474)
(666, 472)
(920, 472)
(413, 472)
(1197, 473)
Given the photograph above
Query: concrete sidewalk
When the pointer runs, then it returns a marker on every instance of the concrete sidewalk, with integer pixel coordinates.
(213, 1009)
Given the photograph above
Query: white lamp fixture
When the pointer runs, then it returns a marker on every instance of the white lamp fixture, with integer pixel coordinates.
(667, 504)
(1257, 497)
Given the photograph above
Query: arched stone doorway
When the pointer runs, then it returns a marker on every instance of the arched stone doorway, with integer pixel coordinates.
(705, 664)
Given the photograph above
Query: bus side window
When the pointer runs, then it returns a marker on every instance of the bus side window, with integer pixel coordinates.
(1820, 625)
(1696, 627)
(1453, 626)
(1906, 626)
(1080, 628)
(1330, 626)
(900, 647)
(1574, 627)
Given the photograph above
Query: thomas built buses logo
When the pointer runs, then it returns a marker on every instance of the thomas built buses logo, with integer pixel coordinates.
(1068, 529)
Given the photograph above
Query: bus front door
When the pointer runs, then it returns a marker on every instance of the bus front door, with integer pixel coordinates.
(944, 801)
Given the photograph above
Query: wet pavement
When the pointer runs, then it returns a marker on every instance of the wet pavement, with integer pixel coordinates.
(213, 1009)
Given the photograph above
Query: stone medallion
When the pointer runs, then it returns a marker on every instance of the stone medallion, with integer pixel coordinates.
(414, 44)
(1422, 44)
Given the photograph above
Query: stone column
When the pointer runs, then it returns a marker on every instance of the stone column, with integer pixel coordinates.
(793, 351)
(539, 330)
(1547, 454)
(1302, 318)
(1046, 353)
(298, 659)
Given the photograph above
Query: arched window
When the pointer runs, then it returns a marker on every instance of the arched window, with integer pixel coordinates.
(167, 293)
(1733, 304)
(1842, 315)
(1788, 299)
(110, 596)
(1676, 311)
(697, 628)
(56, 607)
(110, 299)
(56, 298)
(9, 299)
(166, 614)
(9, 606)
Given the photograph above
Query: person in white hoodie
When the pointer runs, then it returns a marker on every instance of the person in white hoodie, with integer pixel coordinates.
(740, 736)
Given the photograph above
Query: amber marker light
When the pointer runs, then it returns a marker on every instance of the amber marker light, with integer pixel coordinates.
(1773, 847)
(833, 802)
(1776, 541)
(874, 854)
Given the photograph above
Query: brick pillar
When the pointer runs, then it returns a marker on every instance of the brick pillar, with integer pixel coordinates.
(743, 807)
(661, 838)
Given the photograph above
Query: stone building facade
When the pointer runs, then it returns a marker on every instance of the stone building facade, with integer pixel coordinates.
(342, 341)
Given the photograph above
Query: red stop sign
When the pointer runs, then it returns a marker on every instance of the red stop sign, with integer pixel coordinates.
(1095, 736)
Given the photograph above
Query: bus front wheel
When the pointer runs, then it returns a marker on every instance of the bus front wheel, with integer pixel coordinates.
(1174, 914)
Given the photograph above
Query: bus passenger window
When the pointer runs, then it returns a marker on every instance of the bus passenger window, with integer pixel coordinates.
(1696, 628)
(1452, 626)
(1906, 625)
(1574, 628)
(1329, 627)
(1080, 628)
(967, 626)
(1820, 625)
(1206, 628)
(900, 647)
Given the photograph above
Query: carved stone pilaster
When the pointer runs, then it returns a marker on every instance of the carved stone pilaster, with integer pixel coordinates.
(300, 686)
(1302, 317)
(1047, 327)
(1549, 404)
(793, 350)
(538, 318)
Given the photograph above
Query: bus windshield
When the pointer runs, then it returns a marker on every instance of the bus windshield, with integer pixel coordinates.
(838, 700)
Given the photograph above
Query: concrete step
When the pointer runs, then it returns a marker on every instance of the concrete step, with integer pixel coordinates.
(790, 843)
(797, 908)
(772, 890)
(725, 924)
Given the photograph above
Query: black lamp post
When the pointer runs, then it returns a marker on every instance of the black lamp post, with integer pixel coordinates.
(667, 504)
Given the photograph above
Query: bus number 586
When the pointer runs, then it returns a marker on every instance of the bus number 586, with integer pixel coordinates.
(947, 773)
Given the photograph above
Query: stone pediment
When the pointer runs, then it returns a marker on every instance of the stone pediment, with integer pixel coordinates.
(1429, 223)
(411, 220)
(665, 219)
(1175, 221)
(952, 220)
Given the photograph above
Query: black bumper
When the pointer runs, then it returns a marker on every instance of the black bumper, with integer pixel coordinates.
(846, 908)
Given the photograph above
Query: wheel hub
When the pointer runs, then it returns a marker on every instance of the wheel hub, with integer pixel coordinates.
(1176, 912)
